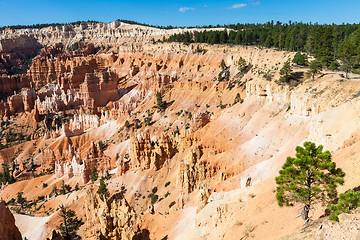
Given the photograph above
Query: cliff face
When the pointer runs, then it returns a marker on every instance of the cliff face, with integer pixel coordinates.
(8, 229)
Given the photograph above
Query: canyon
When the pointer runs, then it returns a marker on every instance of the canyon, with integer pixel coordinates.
(182, 156)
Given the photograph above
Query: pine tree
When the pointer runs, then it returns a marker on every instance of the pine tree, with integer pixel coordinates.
(103, 191)
(224, 37)
(286, 71)
(94, 174)
(350, 52)
(63, 189)
(242, 64)
(299, 59)
(69, 224)
(20, 199)
(237, 99)
(347, 202)
(315, 68)
(159, 101)
(223, 65)
(309, 178)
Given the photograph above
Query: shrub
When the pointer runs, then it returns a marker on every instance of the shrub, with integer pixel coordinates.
(154, 198)
(347, 202)
(171, 204)
(102, 145)
(237, 99)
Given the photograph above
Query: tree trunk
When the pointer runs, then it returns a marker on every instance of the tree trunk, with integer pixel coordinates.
(305, 212)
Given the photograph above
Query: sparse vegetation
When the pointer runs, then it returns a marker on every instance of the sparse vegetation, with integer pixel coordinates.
(242, 65)
(237, 99)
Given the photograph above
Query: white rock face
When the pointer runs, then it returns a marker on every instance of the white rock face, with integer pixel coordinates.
(94, 32)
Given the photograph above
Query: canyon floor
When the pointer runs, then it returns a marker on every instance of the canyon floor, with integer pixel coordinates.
(188, 149)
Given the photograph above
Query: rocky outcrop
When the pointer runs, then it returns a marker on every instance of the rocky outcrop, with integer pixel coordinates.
(192, 171)
(8, 229)
(148, 154)
(111, 218)
(84, 122)
(348, 227)
(9, 84)
(199, 120)
(72, 165)
(269, 91)
(15, 51)
(98, 89)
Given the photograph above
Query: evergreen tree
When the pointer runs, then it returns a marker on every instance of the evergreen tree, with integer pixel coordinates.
(127, 124)
(69, 224)
(237, 99)
(103, 191)
(315, 68)
(309, 178)
(286, 71)
(223, 65)
(224, 36)
(334, 65)
(159, 101)
(20, 199)
(350, 52)
(62, 189)
(347, 202)
(242, 65)
(299, 59)
(94, 174)
(347, 56)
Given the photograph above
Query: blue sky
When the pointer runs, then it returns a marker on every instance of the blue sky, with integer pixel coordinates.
(179, 13)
